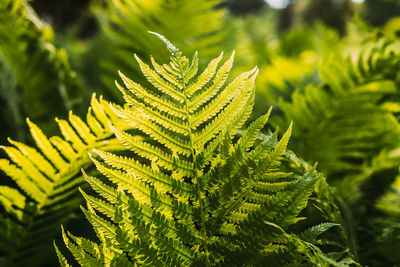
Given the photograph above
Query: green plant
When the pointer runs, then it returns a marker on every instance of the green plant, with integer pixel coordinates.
(340, 92)
(37, 70)
(196, 190)
(43, 191)
(332, 115)
(348, 124)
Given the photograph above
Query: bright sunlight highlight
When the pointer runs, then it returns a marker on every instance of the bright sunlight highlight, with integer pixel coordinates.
(279, 4)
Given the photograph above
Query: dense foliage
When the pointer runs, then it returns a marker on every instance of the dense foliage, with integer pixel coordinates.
(181, 167)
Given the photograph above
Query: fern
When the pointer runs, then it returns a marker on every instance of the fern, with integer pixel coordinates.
(286, 60)
(46, 179)
(40, 70)
(194, 193)
(331, 122)
(348, 125)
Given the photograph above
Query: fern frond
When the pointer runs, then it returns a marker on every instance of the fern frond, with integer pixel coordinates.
(27, 49)
(311, 234)
(47, 178)
(344, 121)
(347, 122)
(199, 196)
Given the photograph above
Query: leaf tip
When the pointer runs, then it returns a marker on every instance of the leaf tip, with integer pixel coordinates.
(169, 45)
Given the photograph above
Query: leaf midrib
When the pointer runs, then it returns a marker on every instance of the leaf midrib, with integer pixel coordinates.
(195, 176)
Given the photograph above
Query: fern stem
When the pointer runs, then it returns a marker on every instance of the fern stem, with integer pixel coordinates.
(195, 176)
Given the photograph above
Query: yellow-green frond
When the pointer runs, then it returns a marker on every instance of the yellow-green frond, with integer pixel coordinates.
(47, 178)
(192, 184)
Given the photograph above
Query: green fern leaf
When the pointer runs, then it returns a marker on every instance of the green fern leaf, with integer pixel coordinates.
(192, 192)
(47, 178)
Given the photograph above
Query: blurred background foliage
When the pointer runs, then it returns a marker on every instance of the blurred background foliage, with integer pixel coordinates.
(330, 66)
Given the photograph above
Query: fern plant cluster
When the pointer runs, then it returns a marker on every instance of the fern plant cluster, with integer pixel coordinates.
(346, 118)
(33, 69)
(196, 168)
(196, 189)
